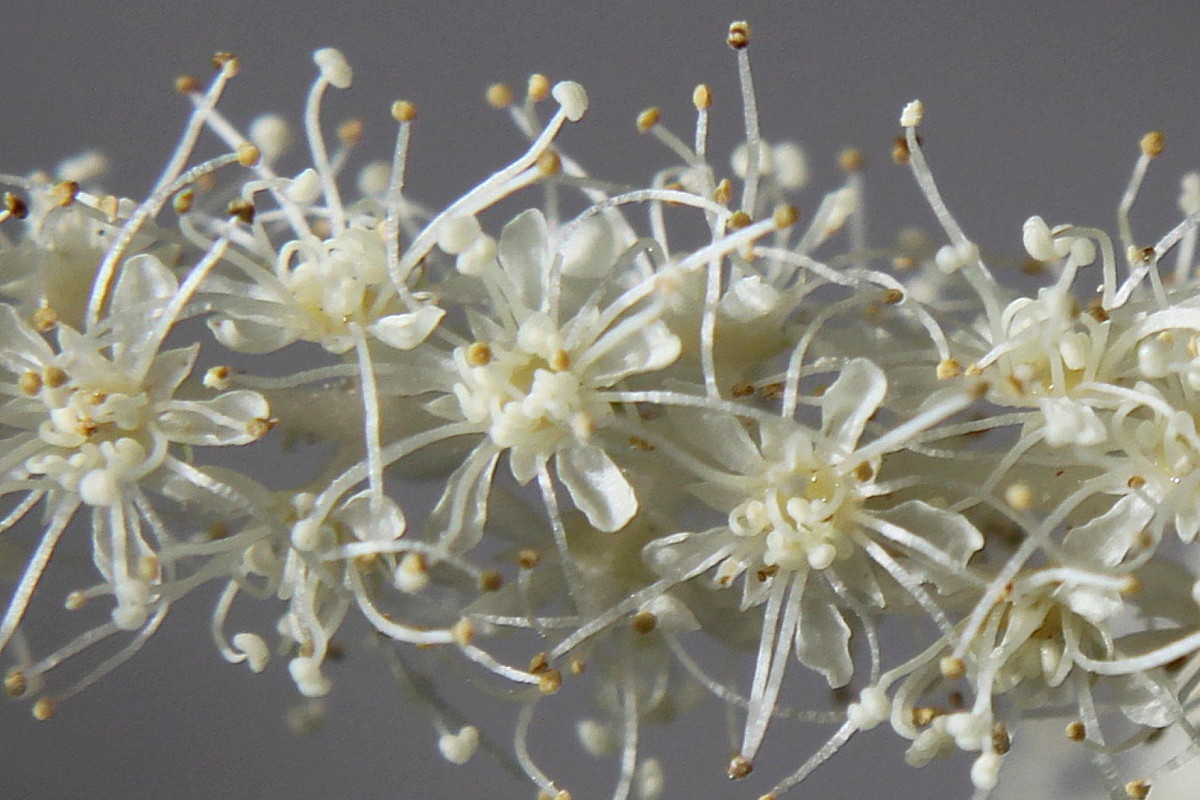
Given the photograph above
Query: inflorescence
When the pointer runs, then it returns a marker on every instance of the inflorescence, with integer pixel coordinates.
(665, 421)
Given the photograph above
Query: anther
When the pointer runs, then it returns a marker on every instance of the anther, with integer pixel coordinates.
(948, 368)
(1019, 496)
(15, 683)
(892, 296)
(403, 111)
(851, 159)
(499, 95)
(702, 97)
(75, 600)
(64, 193)
(538, 88)
(350, 132)
(183, 201)
(1152, 144)
(900, 151)
(952, 668)
(479, 354)
(643, 622)
(30, 383)
(550, 681)
(43, 709)
(739, 767)
(248, 154)
(913, 113)
(15, 206)
(1001, 741)
(576, 665)
(148, 568)
(227, 63)
(739, 219)
(785, 216)
(739, 35)
(1138, 789)
(647, 119)
(538, 664)
(243, 210)
(723, 191)
(528, 558)
(53, 376)
(560, 361)
(490, 580)
(258, 428)
(1075, 731)
(463, 632)
(549, 164)
(217, 378)
(1135, 482)
(187, 84)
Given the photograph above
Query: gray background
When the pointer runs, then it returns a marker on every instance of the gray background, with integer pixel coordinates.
(1031, 108)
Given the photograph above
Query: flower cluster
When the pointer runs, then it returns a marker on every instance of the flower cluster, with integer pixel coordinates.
(776, 438)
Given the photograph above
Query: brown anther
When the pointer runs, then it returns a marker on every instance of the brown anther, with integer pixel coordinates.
(15, 684)
(647, 119)
(53, 376)
(30, 383)
(462, 632)
(723, 192)
(148, 568)
(490, 580)
(217, 531)
(903, 263)
(767, 572)
(952, 668)
(769, 796)
(1138, 789)
(560, 361)
(863, 472)
(85, 425)
(576, 665)
(1152, 144)
(973, 370)
(479, 354)
(923, 715)
(248, 154)
(900, 151)
(739, 35)
(1001, 741)
(1146, 255)
(1133, 585)
(702, 96)
(219, 374)
(1075, 731)
(638, 443)
(1006, 592)
(1014, 384)
(64, 193)
(183, 201)
(538, 664)
(242, 210)
(1096, 311)
(742, 389)
(187, 84)
(499, 95)
(228, 63)
(403, 111)
(258, 428)
(892, 296)
(15, 206)
(550, 681)
(549, 164)
(739, 219)
(1135, 482)
(948, 368)
(43, 709)
(785, 216)
(956, 699)
(643, 622)
(528, 558)
(851, 159)
(772, 391)
(1031, 266)
(739, 767)
(538, 88)
(562, 794)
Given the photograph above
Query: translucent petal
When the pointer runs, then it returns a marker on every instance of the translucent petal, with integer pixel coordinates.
(168, 370)
(21, 349)
(850, 401)
(823, 637)
(1106, 539)
(524, 254)
(651, 348)
(406, 331)
(224, 420)
(597, 486)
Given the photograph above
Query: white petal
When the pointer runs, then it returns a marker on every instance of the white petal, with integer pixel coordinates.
(525, 256)
(949, 532)
(597, 486)
(461, 513)
(249, 337)
(850, 401)
(823, 637)
(372, 520)
(224, 420)
(651, 348)
(20, 346)
(406, 331)
(1106, 540)
(168, 370)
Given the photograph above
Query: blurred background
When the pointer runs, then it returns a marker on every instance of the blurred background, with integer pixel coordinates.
(1031, 108)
